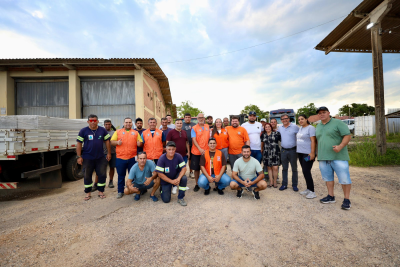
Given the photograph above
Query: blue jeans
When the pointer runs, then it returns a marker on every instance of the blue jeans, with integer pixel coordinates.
(167, 187)
(122, 166)
(257, 155)
(241, 185)
(223, 182)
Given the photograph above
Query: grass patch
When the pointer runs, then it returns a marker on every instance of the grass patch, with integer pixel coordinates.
(363, 154)
(391, 138)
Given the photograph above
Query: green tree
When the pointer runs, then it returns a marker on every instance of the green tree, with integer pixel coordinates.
(308, 110)
(187, 107)
(260, 113)
(356, 110)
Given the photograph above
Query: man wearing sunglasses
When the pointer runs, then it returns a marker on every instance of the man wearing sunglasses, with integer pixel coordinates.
(178, 136)
(333, 136)
(288, 153)
(126, 141)
(200, 134)
(92, 157)
(142, 177)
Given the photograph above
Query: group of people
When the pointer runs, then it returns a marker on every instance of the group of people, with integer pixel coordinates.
(159, 158)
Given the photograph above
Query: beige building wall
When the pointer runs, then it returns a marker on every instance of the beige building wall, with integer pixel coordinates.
(75, 95)
(7, 94)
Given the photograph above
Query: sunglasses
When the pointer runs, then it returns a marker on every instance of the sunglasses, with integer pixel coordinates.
(92, 120)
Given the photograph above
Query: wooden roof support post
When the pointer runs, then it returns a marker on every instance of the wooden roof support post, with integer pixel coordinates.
(376, 17)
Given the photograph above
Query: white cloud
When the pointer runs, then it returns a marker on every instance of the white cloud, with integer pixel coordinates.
(14, 45)
(37, 14)
(118, 2)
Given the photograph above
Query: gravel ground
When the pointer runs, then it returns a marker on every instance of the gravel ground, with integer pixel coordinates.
(56, 227)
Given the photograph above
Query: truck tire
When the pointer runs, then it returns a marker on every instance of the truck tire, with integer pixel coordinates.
(73, 170)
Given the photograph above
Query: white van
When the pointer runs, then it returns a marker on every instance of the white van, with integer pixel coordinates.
(350, 124)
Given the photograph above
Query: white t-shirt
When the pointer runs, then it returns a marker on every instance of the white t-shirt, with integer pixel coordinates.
(254, 132)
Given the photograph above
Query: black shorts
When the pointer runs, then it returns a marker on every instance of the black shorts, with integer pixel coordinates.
(195, 162)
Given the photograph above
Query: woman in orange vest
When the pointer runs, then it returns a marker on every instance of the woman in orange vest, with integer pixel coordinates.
(213, 165)
(221, 136)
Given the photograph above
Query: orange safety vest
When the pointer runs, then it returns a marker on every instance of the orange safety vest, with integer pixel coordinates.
(153, 145)
(222, 139)
(217, 162)
(202, 137)
(128, 149)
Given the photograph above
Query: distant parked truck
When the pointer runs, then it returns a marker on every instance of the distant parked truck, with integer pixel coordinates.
(277, 113)
(350, 124)
(39, 146)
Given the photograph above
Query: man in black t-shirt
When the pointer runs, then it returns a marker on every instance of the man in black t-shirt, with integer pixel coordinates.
(187, 126)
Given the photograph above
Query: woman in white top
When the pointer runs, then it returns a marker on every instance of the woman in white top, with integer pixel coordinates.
(306, 143)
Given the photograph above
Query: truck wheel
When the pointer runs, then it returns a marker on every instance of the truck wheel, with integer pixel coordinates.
(73, 170)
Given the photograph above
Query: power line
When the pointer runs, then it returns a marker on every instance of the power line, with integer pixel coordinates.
(249, 47)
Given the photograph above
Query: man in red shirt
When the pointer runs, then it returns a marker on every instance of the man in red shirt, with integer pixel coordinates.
(182, 144)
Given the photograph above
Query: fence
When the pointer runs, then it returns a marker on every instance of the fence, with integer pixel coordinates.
(365, 125)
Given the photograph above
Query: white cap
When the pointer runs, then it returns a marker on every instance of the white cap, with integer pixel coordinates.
(264, 120)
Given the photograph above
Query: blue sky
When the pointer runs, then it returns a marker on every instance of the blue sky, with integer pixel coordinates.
(287, 73)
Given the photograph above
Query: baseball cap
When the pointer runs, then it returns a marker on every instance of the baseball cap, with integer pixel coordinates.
(322, 108)
(171, 143)
(252, 113)
(209, 116)
(264, 120)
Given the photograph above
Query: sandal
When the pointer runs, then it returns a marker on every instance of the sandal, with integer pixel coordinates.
(102, 196)
(87, 198)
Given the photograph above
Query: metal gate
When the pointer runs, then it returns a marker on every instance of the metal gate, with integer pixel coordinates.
(42, 97)
(112, 98)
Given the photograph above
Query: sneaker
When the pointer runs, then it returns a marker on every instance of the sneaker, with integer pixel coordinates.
(310, 195)
(305, 192)
(154, 198)
(239, 193)
(283, 187)
(182, 202)
(256, 195)
(137, 197)
(191, 175)
(328, 199)
(295, 189)
(220, 192)
(346, 204)
(110, 184)
(94, 188)
(120, 195)
(174, 190)
(196, 188)
(207, 191)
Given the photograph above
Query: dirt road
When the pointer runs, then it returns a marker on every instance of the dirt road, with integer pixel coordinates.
(56, 227)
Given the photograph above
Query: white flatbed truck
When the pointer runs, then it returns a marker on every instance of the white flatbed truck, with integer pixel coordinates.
(48, 154)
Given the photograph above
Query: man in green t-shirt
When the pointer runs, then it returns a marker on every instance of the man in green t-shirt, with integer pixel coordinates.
(247, 172)
(333, 136)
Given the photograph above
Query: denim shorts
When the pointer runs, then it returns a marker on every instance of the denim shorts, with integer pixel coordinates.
(340, 167)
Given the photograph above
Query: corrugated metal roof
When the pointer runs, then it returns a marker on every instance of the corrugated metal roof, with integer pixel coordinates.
(149, 64)
(360, 40)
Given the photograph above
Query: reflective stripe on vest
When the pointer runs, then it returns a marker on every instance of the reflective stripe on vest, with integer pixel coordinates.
(222, 139)
(128, 149)
(202, 137)
(153, 145)
(217, 162)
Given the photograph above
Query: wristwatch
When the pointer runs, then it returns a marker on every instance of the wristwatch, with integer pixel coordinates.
(77, 157)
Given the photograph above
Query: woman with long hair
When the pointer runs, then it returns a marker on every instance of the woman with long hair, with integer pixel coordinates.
(221, 136)
(271, 152)
(306, 143)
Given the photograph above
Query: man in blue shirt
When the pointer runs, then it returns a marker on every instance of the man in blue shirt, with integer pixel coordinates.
(92, 156)
(288, 154)
(171, 168)
(142, 177)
